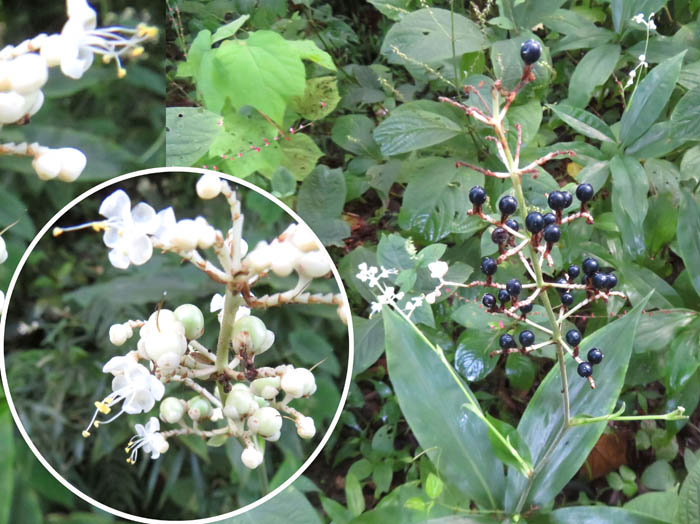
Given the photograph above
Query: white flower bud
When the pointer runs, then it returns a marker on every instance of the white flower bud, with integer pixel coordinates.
(33, 102)
(299, 382)
(265, 422)
(52, 50)
(160, 343)
(306, 427)
(206, 234)
(260, 258)
(167, 363)
(251, 458)
(208, 186)
(47, 165)
(185, 235)
(240, 403)
(73, 162)
(266, 387)
(284, 259)
(28, 72)
(3, 250)
(304, 239)
(11, 107)
(314, 264)
(250, 333)
(2, 299)
(275, 437)
(118, 334)
(198, 408)
(172, 410)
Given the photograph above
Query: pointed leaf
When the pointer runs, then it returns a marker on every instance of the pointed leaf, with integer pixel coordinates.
(543, 419)
(411, 130)
(629, 201)
(584, 122)
(689, 507)
(688, 238)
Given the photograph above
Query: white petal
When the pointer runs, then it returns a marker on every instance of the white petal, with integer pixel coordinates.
(75, 66)
(153, 425)
(116, 205)
(118, 259)
(217, 303)
(145, 218)
(140, 250)
(167, 222)
(157, 388)
(80, 12)
(111, 237)
(117, 364)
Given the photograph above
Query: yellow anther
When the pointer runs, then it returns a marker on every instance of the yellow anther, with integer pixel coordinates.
(106, 59)
(57, 231)
(99, 226)
(137, 51)
(147, 31)
(121, 72)
(127, 449)
(97, 424)
(102, 407)
(86, 434)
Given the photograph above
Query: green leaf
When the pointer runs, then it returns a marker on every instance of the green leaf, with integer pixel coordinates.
(369, 342)
(320, 98)
(689, 507)
(455, 439)
(354, 133)
(584, 122)
(299, 155)
(659, 476)
(688, 238)
(392, 9)
(520, 371)
(684, 358)
(593, 515)
(382, 476)
(308, 50)
(543, 418)
(320, 203)
(412, 130)
(230, 29)
(290, 507)
(433, 486)
(189, 132)
(425, 36)
(472, 359)
(649, 99)
(7, 457)
(26, 507)
(353, 494)
(530, 13)
(593, 70)
(685, 119)
(513, 437)
(629, 201)
(661, 505)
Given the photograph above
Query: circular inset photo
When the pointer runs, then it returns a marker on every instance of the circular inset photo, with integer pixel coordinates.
(176, 346)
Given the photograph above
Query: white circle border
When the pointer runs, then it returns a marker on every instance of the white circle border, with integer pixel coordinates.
(6, 387)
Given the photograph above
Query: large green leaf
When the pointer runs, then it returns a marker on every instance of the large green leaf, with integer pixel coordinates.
(584, 122)
(649, 99)
(455, 439)
(685, 118)
(543, 419)
(7, 456)
(289, 506)
(629, 201)
(320, 202)
(530, 13)
(593, 515)
(426, 36)
(189, 132)
(593, 70)
(689, 507)
(411, 130)
(688, 237)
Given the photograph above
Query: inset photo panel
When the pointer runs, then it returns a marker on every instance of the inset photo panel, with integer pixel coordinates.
(176, 346)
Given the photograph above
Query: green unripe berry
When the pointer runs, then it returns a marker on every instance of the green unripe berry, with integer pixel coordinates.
(266, 422)
(250, 333)
(171, 410)
(198, 408)
(240, 403)
(267, 387)
(192, 319)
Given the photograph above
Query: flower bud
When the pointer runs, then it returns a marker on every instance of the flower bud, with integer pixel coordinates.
(266, 422)
(160, 343)
(267, 387)
(251, 458)
(11, 107)
(250, 333)
(240, 403)
(3, 250)
(304, 239)
(118, 334)
(28, 72)
(33, 102)
(298, 382)
(172, 410)
(198, 408)
(285, 258)
(208, 186)
(185, 235)
(260, 258)
(306, 427)
(275, 437)
(168, 362)
(314, 264)
(73, 162)
(47, 165)
(206, 234)
(52, 49)
(192, 319)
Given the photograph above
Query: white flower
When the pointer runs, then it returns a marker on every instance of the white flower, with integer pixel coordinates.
(438, 269)
(147, 438)
(430, 298)
(127, 230)
(133, 385)
(208, 186)
(75, 47)
(2, 299)
(388, 297)
(639, 18)
(251, 457)
(306, 427)
(3, 250)
(372, 275)
(217, 304)
(119, 334)
(413, 304)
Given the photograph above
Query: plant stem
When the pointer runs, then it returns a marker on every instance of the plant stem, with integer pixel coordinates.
(231, 303)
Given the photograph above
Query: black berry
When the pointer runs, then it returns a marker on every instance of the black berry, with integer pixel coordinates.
(600, 280)
(477, 195)
(526, 308)
(549, 218)
(488, 266)
(488, 300)
(552, 233)
(526, 338)
(499, 235)
(503, 295)
(534, 222)
(584, 369)
(530, 51)
(567, 299)
(513, 287)
(556, 200)
(507, 205)
(595, 356)
(611, 282)
(573, 271)
(584, 192)
(573, 337)
(568, 199)
(590, 266)
(506, 341)
(513, 224)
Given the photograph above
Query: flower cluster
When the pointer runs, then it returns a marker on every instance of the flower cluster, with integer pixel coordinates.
(24, 69)
(249, 402)
(642, 64)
